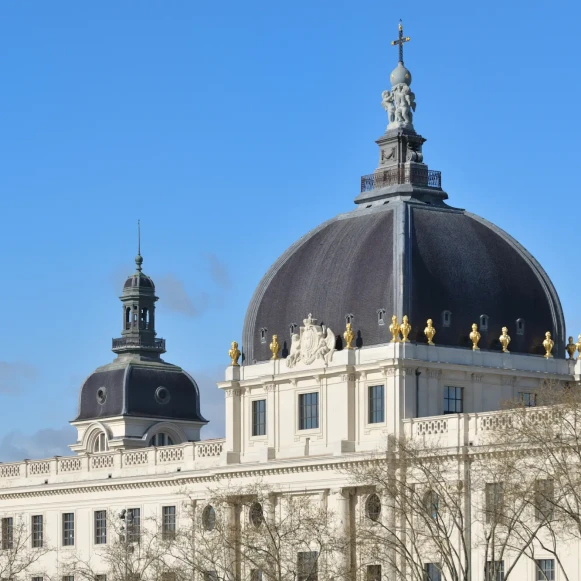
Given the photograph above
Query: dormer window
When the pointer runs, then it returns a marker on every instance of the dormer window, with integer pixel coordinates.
(520, 326)
(263, 332)
(446, 318)
(293, 328)
(349, 318)
(100, 444)
(161, 439)
(381, 316)
(484, 322)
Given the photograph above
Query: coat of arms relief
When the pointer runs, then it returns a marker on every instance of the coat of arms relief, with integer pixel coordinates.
(313, 342)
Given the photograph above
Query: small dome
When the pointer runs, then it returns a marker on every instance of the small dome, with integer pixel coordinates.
(400, 75)
(153, 390)
(139, 280)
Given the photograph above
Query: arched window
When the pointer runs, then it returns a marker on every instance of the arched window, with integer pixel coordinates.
(381, 316)
(431, 504)
(256, 515)
(446, 318)
(349, 317)
(161, 439)
(520, 326)
(484, 322)
(100, 444)
(293, 328)
(263, 332)
(128, 318)
(209, 518)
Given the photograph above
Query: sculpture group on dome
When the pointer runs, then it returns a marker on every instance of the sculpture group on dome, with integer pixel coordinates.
(399, 104)
(313, 342)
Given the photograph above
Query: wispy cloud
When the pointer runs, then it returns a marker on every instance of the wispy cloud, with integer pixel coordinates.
(45, 443)
(14, 376)
(176, 298)
(219, 272)
(211, 401)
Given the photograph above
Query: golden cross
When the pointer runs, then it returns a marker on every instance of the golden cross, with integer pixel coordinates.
(400, 42)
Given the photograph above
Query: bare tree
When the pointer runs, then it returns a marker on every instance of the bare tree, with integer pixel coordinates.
(427, 506)
(131, 550)
(22, 548)
(254, 531)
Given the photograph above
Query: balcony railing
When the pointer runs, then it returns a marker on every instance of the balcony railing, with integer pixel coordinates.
(128, 343)
(402, 175)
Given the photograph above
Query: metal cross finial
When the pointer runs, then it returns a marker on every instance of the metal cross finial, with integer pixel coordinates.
(401, 39)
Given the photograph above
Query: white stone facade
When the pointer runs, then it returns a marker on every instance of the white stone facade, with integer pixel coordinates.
(286, 457)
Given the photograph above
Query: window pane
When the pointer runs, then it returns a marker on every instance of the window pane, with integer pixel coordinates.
(100, 527)
(308, 411)
(373, 572)
(259, 417)
(307, 563)
(168, 522)
(376, 404)
(68, 529)
(7, 533)
(453, 400)
(545, 570)
(37, 531)
(133, 524)
(432, 572)
(494, 571)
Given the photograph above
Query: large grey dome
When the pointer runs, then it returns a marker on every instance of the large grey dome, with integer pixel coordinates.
(404, 256)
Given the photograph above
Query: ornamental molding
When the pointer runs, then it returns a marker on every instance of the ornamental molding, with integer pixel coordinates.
(234, 392)
(388, 371)
(409, 371)
(348, 377)
(269, 387)
(509, 380)
(477, 377)
(435, 373)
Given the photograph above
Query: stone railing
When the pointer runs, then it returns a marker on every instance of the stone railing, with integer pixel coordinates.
(147, 461)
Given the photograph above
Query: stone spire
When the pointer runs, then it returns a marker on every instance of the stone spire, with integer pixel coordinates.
(138, 336)
(401, 170)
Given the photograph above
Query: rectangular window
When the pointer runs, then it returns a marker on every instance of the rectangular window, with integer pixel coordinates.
(307, 563)
(133, 518)
(545, 569)
(100, 577)
(308, 411)
(100, 527)
(68, 529)
(453, 400)
(494, 492)
(494, 571)
(37, 578)
(37, 531)
(68, 578)
(168, 526)
(373, 572)
(259, 417)
(528, 399)
(432, 572)
(376, 404)
(255, 575)
(7, 533)
(544, 499)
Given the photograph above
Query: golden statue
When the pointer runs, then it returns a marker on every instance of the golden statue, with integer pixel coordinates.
(234, 354)
(548, 344)
(274, 347)
(571, 348)
(348, 336)
(579, 347)
(475, 337)
(394, 329)
(504, 340)
(405, 329)
(429, 332)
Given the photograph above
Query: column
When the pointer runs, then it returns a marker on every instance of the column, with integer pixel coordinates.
(342, 505)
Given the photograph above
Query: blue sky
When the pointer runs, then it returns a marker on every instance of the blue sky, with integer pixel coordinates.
(230, 129)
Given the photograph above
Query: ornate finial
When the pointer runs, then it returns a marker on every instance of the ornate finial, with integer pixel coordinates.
(274, 347)
(548, 344)
(234, 354)
(394, 329)
(405, 329)
(429, 331)
(504, 340)
(348, 336)
(138, 258)
(571, 348)
(578, 345)
(400, 41)
(475, 337)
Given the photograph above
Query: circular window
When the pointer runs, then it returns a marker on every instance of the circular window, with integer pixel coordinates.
(255, 514)
(373, 507)
(102, 395)
(209, 518)
(162, 395)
